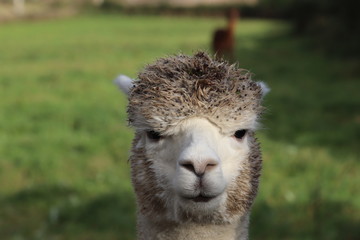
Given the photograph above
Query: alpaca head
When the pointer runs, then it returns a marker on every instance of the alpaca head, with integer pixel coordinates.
(232, 13)
(194, 156)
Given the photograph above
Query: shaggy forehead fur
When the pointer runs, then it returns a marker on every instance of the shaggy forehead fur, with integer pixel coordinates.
(181, 86)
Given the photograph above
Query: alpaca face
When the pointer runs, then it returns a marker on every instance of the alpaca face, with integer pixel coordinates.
(194, 156)
(196, 164)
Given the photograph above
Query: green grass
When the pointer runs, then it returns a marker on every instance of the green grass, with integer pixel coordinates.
(64, 142)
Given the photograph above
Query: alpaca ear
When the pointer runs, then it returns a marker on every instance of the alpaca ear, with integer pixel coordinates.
(264, 89)
(124, 83)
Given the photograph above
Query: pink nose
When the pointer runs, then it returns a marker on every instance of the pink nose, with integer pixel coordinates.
(199, 168)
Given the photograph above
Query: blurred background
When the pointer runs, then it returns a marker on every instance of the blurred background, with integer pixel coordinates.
(64, 140)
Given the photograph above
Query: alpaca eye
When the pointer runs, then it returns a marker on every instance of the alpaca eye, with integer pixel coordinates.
(155, 136)
(239, 134)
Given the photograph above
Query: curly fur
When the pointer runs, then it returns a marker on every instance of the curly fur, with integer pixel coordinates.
(191, 86)
(180, 87)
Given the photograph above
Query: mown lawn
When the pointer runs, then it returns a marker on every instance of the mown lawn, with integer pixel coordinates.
(64, 142)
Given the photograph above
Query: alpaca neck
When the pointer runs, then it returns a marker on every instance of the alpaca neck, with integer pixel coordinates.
(231, 25)
(148, 229)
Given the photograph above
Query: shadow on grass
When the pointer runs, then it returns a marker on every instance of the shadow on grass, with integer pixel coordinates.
(314, 99)
(49, 212)
(106, 212)
(64, 213)
(320, 219)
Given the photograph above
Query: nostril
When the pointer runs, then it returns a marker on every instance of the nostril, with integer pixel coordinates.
(210, 166)
(189, 166)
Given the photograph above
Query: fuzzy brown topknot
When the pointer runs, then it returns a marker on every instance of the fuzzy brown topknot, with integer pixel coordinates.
(178, 87)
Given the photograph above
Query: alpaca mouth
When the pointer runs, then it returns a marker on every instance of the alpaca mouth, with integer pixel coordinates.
(201, 198)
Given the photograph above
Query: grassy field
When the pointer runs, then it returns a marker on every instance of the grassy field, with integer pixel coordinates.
(64, 142)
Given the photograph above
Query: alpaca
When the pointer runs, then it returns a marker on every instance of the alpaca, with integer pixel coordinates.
(224, 39)
(195, 161)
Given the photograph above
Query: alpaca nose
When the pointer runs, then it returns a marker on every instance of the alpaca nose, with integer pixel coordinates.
(199, 168)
